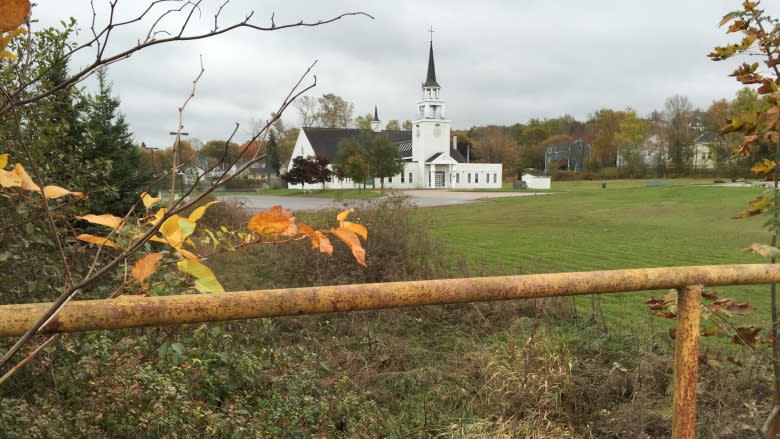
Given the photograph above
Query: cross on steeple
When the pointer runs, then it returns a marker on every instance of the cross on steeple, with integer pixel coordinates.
(431, 32)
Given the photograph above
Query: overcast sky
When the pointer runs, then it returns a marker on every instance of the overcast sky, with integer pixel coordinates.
(498, 62)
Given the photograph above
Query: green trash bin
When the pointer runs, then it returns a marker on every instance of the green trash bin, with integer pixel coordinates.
(603, 185)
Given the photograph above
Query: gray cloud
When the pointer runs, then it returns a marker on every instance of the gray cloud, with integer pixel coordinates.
(499, 62)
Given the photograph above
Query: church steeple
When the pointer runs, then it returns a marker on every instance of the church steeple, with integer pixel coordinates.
(430, 79)
(376, 125)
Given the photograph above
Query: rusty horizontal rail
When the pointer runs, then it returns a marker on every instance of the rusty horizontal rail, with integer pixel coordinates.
(137, 311)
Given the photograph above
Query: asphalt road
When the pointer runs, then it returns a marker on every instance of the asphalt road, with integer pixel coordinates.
(421, 198)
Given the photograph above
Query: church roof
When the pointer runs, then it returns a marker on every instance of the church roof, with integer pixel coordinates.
(430, 79)
(376, 114)
(325, 141)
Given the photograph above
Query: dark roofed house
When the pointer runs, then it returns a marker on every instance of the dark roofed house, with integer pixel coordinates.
(566, 156)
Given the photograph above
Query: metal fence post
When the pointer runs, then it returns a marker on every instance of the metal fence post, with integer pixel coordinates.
(686, 362)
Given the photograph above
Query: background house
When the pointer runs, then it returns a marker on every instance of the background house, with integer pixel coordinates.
(566, 156)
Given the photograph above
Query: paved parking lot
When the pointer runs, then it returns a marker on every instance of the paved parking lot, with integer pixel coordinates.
(422, 198)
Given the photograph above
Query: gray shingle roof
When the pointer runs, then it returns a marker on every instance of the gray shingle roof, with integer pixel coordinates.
(706, 137)
(325, 141)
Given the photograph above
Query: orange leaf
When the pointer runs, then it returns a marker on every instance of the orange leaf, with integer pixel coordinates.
(349, 238)
(325, 245)
(746, 334)
(357, 228)
(311, 233)
(13, 13)
(343, 215)
(146, 266)
(188, 254)
(54, 192)
(772, 116)
(275, 221)
(92, 239)
(106, 219)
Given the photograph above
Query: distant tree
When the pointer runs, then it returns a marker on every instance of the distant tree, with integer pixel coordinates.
(111, 142)
(351, 156)
(407, 126)
(287, 144)
(496, 145)
(248, 149)
(384, 159)
(678, 115)
(220, 151)
(308, 170)
(307, 108)
(393, 125)
(603, 127)
(364, 122)
(357, 169)
(631, 136)
(272, 158)
(334, 111)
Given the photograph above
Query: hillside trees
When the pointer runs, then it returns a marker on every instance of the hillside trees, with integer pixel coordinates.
(631, 137)
(678, 115)
(495, 145)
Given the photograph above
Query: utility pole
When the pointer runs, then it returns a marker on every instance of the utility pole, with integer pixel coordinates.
(178, 157)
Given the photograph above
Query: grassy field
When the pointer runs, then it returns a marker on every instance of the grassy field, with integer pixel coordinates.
(630, 227)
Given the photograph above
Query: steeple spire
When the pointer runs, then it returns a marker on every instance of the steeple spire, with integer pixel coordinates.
(430, 80)
(376, 114)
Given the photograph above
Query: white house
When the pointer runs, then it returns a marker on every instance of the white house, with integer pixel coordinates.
(430, 161)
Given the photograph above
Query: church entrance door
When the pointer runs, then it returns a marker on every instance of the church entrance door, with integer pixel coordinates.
(439, 178)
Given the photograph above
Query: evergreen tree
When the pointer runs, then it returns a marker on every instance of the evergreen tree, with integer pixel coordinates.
(109, 141)
(272, 159)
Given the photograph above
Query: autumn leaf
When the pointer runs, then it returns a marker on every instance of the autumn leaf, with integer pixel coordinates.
(772, 116)
(146, 266)
(9, 179)
(746, 335)
(205, 280)
(13, 14)
(709, 294)
(325, 244)
(351, 240)
(149, 200)
(359, 229)
(99, 240)
(763, 167)
(709, 331)
(730, 307)
(275, 221)
(26, 182)
(176, 229)
(106, 220)
(54, 192)
(311, 233)
(3, 160)
(199, 212)
(343, 215)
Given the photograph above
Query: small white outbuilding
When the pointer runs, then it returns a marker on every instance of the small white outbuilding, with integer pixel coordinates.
(536, 181)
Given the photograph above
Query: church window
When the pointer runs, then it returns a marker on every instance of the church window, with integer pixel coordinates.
(402, 177)
(410, 177)
(389, 179)
(476, 178)
(468, 179)
(428, 93)
(495, 177)
(457, 178)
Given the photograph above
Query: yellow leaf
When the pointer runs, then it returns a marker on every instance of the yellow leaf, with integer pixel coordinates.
(275, 221)
(357, 228)
(27, 183)
(205, 281)
(198, 213)
(149, 200)
(3, 160)
(763, 167)
(54, 192)
(92, 239)
(176, 230)
(10, 179)
(106, 220)
(158, 216)
(343, 215)
(146, 266)
(349, 238)
(13, 13)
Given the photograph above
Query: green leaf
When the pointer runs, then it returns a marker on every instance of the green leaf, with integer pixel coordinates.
(205, 280)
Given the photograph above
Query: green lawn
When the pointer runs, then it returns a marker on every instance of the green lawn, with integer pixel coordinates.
(584, 230)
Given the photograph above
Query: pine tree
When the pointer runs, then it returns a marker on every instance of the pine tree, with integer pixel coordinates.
(273, 154)
(110, 141)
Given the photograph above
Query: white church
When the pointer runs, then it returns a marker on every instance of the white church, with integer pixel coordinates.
(430, 160)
